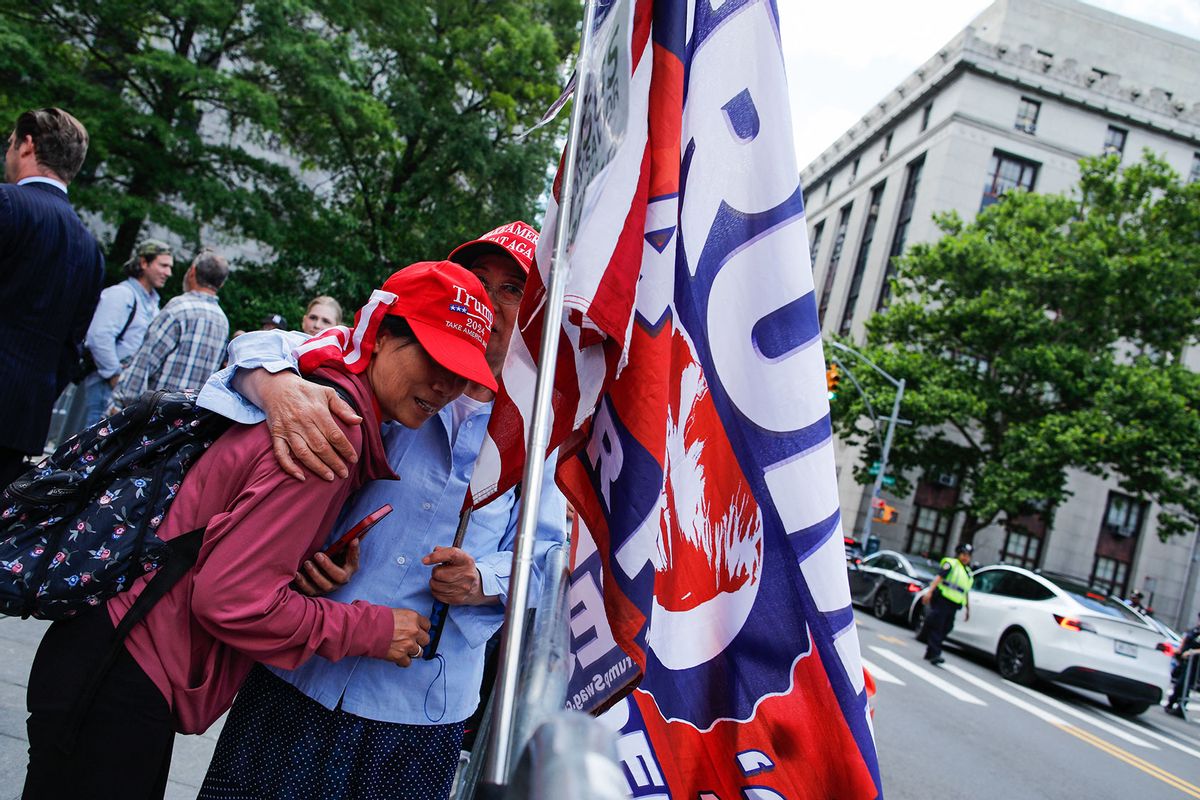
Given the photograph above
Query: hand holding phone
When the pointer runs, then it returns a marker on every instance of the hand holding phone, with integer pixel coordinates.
(360, 530)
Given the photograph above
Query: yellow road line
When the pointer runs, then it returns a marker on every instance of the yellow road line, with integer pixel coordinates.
(892, 639)
(1173, 781)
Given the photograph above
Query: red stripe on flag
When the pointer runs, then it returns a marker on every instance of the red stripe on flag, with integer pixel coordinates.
(612, 305)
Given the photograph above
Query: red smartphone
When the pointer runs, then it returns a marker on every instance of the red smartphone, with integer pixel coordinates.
(358, 531)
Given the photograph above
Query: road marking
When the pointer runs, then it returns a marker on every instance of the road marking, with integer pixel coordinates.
(1174, 781)
(1088, 718)
(1145, 730)
(881, 674)
(1187, 739)
(892, 639)
(928, 677)
(1058, 722)
(1040, 713)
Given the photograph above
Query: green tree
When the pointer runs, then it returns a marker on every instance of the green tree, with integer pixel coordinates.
(179, 113)
(1048, 335)
(420, 131)
(327, 141)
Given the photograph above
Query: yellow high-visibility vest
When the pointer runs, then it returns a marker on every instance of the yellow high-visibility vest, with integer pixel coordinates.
(954, 587)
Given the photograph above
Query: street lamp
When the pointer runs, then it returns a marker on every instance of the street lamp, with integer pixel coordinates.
(891, 428)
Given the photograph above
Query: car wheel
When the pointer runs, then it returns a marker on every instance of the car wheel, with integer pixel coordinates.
(1123, 705)
(918, 615)
(882, 605)
(1014, 657)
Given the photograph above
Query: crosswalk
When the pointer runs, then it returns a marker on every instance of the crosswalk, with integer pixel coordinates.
(927, 675)
(894, 666)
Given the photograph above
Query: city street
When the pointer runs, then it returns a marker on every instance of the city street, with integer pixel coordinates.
(960, 730)
(957, 730)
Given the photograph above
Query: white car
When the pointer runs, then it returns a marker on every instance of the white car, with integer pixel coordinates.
(1055, 628)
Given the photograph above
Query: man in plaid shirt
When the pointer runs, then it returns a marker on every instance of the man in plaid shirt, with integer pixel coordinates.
(186, 342)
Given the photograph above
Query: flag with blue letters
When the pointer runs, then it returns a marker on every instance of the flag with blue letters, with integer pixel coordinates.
(691, 408)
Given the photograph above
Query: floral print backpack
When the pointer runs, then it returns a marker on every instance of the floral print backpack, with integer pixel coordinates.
(80, 526)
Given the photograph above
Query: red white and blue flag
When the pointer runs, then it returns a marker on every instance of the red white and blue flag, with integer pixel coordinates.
(691, 415)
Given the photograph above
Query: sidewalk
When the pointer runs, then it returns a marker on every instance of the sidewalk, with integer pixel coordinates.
(18, 642)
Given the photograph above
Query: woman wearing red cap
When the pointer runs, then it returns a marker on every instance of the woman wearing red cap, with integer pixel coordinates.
(411, 351)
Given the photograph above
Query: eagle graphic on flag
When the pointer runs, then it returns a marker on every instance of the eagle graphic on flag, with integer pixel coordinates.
(710, 606)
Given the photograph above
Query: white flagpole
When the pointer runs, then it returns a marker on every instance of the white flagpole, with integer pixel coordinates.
(499, 754)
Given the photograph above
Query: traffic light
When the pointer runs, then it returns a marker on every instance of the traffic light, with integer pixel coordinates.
(887, 513)
(832, 376)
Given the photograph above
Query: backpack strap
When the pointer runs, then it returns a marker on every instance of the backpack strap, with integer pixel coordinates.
(183, 551)
(87, 364)
(128, 320)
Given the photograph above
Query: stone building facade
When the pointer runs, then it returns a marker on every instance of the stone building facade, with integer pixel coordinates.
(1015, 99)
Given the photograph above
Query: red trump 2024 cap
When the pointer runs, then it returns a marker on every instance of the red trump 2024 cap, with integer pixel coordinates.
(442, 302)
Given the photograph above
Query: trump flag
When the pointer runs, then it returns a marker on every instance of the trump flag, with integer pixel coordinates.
(692, 421)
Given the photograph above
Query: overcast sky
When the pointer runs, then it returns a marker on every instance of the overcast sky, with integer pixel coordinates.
(859, 50)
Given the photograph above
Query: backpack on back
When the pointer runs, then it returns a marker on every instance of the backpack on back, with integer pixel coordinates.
(80, 526)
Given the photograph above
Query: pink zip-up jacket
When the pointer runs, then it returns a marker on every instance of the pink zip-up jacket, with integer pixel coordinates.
(236, 607)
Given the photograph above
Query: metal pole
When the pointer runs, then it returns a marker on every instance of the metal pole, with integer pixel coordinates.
(547, 668)
(883, 459)
(1189, 585)
(496, 768)
(1189, 682)
(866, 400)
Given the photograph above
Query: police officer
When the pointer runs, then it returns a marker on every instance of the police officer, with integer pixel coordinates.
(947, 594)
(1189, 649)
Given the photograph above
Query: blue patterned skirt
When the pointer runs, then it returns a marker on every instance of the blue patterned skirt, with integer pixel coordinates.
(279, 743)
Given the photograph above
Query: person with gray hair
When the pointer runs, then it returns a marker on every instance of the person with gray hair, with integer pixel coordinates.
(51, 273)
(186, 342)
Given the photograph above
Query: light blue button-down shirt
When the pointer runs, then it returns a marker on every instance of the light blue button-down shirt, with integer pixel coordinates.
(111, 313)
(434, 474)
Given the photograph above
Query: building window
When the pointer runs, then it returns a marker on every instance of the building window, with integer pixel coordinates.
(810, 195)
(1195, 174)
(930, 532)
(1027, 115)
(854, 170)
(1110, 576)
(925, 112)
(887, 146)
(1007, 172)
(860, 262)
(907, 201)
(1021, 549)
(1117, 543)
(1114, 141)
(1123, 516)
(835, 256)
(1024, 535)
(815, 246)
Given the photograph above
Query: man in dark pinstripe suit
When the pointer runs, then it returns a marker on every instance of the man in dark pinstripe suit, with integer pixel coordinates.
(51, 271)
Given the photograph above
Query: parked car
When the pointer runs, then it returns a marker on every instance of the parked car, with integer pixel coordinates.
(891, 583)
(1171, 639)
(1057, 628)
(854, 551)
